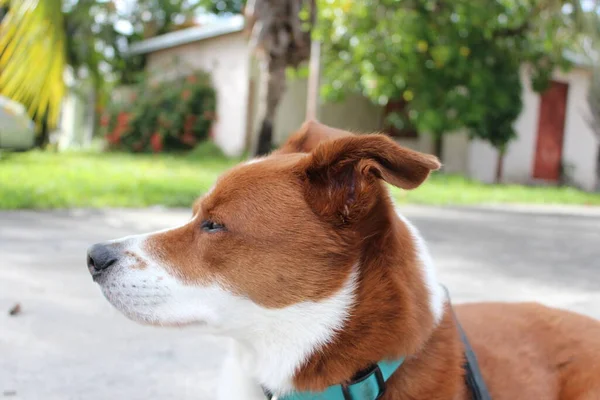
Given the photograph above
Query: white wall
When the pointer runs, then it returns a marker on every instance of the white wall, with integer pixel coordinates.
(66, 126)
(482, 161)
(520, 157)
(75, 126)
(580, 150)
(455, 153)
(355, 113)
(227, 59)
(291, 111)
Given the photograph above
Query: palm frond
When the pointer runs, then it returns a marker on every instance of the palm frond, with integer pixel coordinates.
(32, 56)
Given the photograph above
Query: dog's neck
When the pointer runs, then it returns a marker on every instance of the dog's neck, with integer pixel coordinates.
(280, 340)
(390, 306)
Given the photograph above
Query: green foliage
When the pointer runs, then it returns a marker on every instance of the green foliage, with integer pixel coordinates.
(168, 115)
(449, 189)
(44, 180)
(456, 63)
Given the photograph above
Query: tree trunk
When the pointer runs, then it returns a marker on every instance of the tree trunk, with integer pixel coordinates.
(43, 139)
(278, 35)
(438, 146)
(275, 90)
(265, 138)
(499, 167)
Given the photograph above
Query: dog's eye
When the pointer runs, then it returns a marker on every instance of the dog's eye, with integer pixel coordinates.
(211, 226)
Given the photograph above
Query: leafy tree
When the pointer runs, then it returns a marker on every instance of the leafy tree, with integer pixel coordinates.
(456, 63)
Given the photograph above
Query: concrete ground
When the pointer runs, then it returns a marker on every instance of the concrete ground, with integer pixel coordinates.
(68, 343)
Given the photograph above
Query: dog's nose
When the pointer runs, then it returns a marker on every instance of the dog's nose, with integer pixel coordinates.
(100, 257)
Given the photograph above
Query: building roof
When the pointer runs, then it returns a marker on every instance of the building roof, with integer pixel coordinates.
(223, 26)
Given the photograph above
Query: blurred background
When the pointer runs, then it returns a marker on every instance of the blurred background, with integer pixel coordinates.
(115, 114)
(502, 91)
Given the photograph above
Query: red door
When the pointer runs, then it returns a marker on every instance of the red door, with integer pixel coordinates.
(551, 126)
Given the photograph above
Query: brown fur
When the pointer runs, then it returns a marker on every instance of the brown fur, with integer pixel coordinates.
(300, 220)
(529, 351)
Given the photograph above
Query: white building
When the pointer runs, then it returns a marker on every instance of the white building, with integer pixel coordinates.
(553, 130)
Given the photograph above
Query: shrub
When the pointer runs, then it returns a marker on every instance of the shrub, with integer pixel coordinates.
(160, 116)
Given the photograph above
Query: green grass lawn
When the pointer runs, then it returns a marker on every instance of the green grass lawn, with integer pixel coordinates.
(43, 180)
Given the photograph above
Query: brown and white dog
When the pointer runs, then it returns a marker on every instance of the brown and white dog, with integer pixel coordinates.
(302, 258)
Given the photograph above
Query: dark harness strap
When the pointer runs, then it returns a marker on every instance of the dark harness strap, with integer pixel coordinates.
(473, 376)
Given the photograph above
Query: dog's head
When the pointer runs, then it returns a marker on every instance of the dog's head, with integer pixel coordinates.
(277, 240)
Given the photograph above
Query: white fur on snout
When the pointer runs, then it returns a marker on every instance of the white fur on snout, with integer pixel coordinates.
(136, 296)
(153, 296)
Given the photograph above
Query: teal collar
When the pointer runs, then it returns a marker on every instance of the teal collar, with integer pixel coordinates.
(368, 386)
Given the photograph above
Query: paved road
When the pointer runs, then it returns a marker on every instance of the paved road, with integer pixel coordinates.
(68, 343)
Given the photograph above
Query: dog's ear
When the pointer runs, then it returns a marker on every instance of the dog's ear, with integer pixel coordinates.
(342, 176)
(309, 136)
